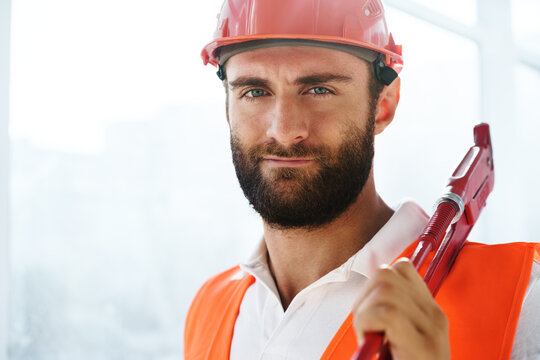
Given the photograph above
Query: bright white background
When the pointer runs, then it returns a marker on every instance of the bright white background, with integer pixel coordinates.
(122, 194)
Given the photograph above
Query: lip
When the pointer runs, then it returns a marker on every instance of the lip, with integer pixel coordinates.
(276, 161)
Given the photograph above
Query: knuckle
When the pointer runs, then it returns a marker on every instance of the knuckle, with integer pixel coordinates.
(359, 319)
(357, 311)
(440, 317)
(403, 264)
(360, 312)
(405, 267)
(383, 291)
(383, 275)
(388, 314)
(377, 314)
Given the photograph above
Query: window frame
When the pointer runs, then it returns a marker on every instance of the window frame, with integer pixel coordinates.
(5, 35)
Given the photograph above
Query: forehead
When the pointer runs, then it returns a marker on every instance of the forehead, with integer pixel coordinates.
(291, 62)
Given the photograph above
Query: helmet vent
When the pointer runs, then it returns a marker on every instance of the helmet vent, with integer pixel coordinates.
(372, 8)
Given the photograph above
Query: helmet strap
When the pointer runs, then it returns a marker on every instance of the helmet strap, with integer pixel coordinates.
(221, 72)
(383, 73)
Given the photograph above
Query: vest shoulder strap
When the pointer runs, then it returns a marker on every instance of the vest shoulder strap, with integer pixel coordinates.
(211, 317)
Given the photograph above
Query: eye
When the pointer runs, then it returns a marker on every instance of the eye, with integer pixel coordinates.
(255, 93)
(319, 90)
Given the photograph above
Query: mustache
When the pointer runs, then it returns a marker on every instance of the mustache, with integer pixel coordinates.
(259, 152)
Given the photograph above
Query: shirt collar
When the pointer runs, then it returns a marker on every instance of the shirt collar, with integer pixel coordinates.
(392, 239)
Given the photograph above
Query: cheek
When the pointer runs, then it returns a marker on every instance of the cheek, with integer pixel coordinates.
(338, 120)
(247, 121)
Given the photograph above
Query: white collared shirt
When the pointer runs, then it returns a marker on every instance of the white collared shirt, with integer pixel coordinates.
(264, 331)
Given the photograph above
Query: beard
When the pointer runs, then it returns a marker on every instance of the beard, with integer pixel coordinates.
(293, 198)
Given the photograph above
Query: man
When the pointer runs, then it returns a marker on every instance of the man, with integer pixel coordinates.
(309, 84)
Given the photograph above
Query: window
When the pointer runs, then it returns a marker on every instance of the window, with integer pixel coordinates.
(441, 70)
(525, 25)
(527, 123)
(462, 10)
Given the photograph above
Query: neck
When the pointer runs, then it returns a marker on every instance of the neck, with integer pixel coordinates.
(298, 257)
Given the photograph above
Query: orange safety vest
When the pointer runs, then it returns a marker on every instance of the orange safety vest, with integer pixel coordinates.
(482, 298)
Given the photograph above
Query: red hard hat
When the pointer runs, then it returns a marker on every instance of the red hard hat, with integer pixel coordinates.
(359, 23)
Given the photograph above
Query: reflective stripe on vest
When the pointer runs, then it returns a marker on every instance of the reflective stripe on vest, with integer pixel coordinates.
(482, 298)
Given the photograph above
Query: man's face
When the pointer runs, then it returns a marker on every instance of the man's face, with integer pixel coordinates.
(301, 132)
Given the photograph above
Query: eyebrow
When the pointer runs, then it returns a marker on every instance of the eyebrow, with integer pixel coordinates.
(304, 80)
(248, 81)
(322, 78)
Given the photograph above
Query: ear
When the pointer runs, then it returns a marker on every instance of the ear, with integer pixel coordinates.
(386, 105)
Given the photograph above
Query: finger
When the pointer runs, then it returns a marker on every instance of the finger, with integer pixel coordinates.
(406, 269)
(398, 329)
(401, 287)
(385, 274)
(419, 291)
(397, 302)
(395, 276)
(406, 341)
(387, 295)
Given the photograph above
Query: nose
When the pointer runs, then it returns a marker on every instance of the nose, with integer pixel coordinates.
(289, 123)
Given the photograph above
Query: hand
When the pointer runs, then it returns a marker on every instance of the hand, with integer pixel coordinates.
(396, 301)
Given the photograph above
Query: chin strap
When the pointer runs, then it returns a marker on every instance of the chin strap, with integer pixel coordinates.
(383, 73)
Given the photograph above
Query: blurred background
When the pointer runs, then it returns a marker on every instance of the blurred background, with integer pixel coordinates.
(117, 193)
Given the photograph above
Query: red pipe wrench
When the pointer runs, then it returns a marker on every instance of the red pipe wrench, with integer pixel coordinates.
(456, 213)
